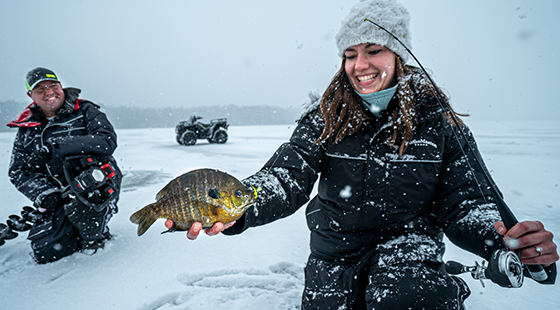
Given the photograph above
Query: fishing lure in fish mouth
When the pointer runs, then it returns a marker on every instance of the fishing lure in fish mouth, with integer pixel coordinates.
(256, 190)
(537, 272)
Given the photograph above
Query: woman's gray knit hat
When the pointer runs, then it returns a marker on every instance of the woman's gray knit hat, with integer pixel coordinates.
(390, 14)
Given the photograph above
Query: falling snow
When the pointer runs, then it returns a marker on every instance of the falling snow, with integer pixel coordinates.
(263, 267)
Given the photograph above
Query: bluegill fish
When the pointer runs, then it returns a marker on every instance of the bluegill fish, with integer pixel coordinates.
(204, 195)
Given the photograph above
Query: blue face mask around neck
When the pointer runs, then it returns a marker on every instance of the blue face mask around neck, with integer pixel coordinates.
(378, 101)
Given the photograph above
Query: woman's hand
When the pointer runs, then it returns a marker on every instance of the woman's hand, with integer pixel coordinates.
(195, 229)
(534, 241)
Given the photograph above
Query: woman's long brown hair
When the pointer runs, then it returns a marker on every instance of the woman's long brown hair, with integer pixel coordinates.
(344, 114)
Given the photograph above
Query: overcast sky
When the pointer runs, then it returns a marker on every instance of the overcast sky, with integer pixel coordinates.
(497, 59)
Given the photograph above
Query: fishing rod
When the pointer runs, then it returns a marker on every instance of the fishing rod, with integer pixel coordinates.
(537, 271)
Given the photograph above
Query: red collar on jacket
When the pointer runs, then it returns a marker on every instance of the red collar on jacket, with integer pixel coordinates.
(23, 119)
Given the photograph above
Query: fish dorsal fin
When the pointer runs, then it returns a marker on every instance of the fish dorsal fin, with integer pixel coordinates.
(178, 181)
(163, 192)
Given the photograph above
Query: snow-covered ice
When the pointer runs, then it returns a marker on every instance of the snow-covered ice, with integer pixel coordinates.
(263, 267)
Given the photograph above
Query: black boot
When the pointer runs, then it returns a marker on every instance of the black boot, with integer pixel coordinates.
(91, 247)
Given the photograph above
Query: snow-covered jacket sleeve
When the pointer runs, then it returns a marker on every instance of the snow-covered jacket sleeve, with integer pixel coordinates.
(464, 202)
(100, 138)
(34, 186)
(287, 179)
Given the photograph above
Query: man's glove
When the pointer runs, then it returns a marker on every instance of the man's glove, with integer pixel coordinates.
(50, 203)
(37, 160)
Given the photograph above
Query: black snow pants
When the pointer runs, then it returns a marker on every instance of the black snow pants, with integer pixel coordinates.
(361, 285)
(59, 234)
(53, 237)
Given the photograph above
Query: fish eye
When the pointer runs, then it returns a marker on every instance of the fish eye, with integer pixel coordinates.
(238, 193)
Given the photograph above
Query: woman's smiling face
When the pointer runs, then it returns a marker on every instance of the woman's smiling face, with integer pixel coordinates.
(370, 67)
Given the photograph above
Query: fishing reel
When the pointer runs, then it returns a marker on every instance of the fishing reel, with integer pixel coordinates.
(505, 269)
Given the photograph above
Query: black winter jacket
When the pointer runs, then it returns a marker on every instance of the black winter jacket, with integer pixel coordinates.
(79, 127)
(369, 198)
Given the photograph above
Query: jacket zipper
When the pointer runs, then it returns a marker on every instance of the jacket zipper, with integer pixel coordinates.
(42, 141)
(369, 159)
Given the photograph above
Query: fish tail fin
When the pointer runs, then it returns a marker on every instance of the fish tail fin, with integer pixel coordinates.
(144, 218)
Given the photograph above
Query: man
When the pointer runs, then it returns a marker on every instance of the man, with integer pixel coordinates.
(53, 127)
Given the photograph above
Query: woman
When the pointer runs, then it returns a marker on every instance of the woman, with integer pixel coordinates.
(393, 180)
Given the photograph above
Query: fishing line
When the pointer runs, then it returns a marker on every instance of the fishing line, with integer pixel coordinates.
(536, 271)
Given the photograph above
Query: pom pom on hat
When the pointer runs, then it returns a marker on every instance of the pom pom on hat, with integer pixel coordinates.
(390, 14)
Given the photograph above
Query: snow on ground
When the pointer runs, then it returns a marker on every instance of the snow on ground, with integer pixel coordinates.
(262, 268)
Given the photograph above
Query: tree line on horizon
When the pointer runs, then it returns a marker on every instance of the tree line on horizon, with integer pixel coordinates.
(123, 117)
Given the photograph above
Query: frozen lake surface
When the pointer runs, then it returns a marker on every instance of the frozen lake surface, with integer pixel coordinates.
(262, 268)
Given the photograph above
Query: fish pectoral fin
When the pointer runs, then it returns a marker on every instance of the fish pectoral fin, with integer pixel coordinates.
(206, 205)
(222, 210)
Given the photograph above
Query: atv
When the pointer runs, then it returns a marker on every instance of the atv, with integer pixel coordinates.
(187, 132)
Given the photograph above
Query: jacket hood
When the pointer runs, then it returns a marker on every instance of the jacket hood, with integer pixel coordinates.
(32, 116)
